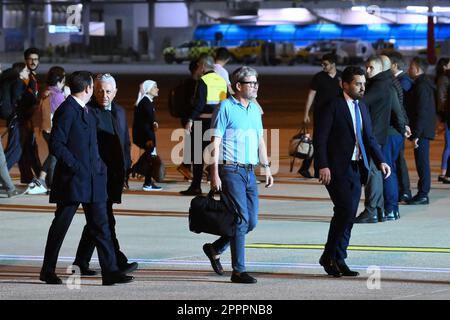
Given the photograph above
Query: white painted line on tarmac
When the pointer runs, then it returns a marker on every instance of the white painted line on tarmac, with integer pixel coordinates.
(285, 265)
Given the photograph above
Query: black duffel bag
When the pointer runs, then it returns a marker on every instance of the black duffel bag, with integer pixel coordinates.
(212, 216)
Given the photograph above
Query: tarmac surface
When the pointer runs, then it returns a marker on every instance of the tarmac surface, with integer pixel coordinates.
(398, 260)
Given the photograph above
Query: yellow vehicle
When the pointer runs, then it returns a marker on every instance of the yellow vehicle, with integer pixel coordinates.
(248, 52)
(187, 51)
(263, 52)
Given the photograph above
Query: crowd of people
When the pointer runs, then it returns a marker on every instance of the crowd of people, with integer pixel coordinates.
(89, 145)
(404, 104)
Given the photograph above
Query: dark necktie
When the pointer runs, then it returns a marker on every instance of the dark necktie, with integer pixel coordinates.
(359, 134)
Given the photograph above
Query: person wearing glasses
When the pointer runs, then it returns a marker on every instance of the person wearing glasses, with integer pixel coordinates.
(238, 147)
(22, 146)
(324, 86)
(114, 147)
(211, 90)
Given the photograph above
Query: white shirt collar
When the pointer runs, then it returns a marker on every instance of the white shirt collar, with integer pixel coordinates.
(399, 72)
(81, 103)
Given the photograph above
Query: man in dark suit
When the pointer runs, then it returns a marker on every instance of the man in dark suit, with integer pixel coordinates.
(114, 148)
(344, 145)
(423, 124)
(80, 177)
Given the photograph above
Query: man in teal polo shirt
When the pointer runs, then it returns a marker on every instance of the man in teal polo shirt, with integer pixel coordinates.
(238, 146)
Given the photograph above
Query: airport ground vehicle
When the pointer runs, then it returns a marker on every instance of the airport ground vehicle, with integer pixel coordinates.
(263, 52)
(187, 51)
(346, 50)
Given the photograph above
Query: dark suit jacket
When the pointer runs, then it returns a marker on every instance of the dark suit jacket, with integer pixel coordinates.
(423, 108)
(378, 102)
(334, 139)
(114, 146)
(80, 173)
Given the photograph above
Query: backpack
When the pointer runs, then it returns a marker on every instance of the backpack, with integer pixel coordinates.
(181, 99)
(6, 106)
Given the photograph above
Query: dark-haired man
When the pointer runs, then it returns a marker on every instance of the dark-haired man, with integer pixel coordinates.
(80, 177)
(423, 124)
(22, 146)
(324, 86)
(344, 145)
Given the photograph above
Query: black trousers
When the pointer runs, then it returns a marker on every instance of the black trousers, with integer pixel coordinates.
(404, 186)
(87, 245)
(98, 226)
(198, 161)
(345, 192)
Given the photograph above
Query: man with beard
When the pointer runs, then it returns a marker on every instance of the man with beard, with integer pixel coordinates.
(344, 146)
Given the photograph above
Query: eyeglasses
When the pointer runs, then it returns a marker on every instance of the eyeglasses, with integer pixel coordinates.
(252, 84)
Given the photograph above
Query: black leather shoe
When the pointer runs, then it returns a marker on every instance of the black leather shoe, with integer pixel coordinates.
(418, 200)
(330, 266)
(404, 198)
(50, 278)
(345, 270)
(441, 178)
(446, 180)
(305, 174)
(128, 267)
(366, 217)
(114, 278)
(242, 277)
(397, 215)
(390, 216)
(191, 192)
(85, 271)
(381, 217)
(215, 263)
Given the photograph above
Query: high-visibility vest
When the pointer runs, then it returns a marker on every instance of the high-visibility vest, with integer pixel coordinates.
(216, 88)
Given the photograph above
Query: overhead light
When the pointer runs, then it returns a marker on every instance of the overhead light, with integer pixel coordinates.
(417, 8)
(359, 8)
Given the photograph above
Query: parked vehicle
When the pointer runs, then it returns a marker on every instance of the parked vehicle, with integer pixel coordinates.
(187, 51)
(346, 50)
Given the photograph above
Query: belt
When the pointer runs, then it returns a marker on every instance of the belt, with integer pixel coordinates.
(241, 165)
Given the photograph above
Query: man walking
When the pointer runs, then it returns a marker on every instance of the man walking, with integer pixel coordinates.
(324, 86)
(80, 177)
(238, 145)
(344, 145)
(211, 90)
(114, 148)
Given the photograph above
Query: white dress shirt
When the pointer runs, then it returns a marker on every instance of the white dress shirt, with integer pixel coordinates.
(351, 107)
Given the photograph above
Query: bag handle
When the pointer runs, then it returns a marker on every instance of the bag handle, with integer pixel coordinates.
(228, 202)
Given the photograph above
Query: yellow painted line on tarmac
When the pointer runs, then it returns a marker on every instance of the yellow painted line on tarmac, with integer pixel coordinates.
(353, 248)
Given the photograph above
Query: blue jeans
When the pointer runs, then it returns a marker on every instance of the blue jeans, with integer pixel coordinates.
(240, 185)
(422, 158)
(446, 152)
(391, 151)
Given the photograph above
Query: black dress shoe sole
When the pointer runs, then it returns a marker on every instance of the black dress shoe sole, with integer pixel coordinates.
(237, 279)
(51, 281)
(128, 269)
(214, 264)
(126, 279)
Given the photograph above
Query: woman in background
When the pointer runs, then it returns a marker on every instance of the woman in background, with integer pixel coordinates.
(144, 127)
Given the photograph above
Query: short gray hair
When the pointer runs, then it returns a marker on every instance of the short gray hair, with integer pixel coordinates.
(241, 73)
(207, 62)
(105, 77)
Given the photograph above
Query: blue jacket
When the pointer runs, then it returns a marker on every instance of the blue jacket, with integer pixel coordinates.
(334, 139)
(80, 174)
